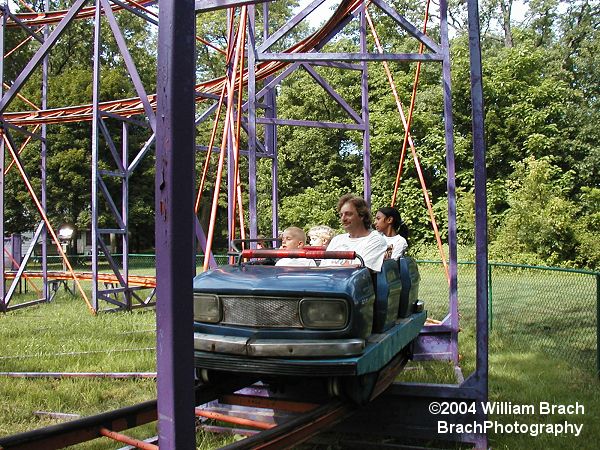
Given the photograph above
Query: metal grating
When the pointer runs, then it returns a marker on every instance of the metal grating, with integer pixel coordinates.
(272, 312)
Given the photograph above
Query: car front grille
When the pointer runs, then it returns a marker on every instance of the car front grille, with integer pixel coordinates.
(272, 312)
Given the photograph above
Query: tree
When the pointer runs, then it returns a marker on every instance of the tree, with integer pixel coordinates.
(541, 224)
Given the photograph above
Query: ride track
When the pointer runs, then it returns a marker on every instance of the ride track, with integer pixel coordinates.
(293, 420)
(134, 106)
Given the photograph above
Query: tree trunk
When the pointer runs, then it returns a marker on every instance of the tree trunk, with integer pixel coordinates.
(506, 7)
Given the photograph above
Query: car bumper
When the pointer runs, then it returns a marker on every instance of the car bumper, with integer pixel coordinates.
(308, 348)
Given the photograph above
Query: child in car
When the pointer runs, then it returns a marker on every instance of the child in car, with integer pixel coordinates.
(294, 238)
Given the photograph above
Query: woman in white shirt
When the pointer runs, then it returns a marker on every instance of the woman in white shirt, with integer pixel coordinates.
(395, 232)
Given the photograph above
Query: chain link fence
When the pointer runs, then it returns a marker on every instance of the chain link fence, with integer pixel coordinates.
(554, 310)
(544, 308)
(143, 263)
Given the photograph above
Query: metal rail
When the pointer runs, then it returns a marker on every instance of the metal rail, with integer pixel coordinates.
(105, 424)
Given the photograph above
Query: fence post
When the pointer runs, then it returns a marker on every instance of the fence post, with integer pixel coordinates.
(490, 314)
(598, 324)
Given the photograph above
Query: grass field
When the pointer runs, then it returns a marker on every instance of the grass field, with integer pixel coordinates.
(542, 348)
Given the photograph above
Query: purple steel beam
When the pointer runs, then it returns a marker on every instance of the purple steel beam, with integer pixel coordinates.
(130, 120)
(251, 130)
(289, 25)
(212, 263)
(22, 130)
(409, 27)
(175, 223)
(135, 11)
(364, 88)
(451, 179)
(210, 5)
(95, 148)
(111, 203)
(310, 57)
(230, 133)
(24, 27)
(309, 123)
(337, 65)
(481, 236)
(141, 153)
(271, 82)
(125, 213)
(40, 54)
(21, 269)
(271, 132)
(44, 164)
(3, 300)
(337, 97)
(131, 69)
(2, 280)
(111, 145)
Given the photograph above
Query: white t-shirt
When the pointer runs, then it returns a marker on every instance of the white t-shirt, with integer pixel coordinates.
(296, 262)
(398, 244)
(371, 248)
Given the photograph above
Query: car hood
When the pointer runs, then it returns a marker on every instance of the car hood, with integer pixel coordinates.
(354, 283)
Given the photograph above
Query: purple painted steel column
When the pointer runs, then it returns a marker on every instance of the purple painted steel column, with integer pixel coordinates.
(364, 87)
(125, 214)
(252, 196)
(230, 133)
(44, 148)
(2, 281)
(481, 238)
(451, 181)
(175, 151)
(3, 304)
(95, 145)
(271, 138)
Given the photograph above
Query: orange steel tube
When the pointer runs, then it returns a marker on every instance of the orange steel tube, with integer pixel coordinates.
(209, 151)
(33, 285)
(26, 5)
(412, 107)
(235, 420)
(142, 7)
(212, 137)
(23, 145)
(268, 403)
(413, 150)
(237, 193)
(47, 222)
(29, 102)
(18, 46)
(208, 44)
(48, 18)
(134, 280)
(213, 214)
(126, 439)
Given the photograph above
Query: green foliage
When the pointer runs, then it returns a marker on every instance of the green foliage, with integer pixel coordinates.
(541, 222)
(313, 206)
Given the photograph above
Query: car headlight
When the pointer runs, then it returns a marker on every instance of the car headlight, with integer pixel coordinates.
(207, 308)
(323, 313)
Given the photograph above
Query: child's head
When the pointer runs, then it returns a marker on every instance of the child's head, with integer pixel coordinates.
(320, 235)
(293, 237)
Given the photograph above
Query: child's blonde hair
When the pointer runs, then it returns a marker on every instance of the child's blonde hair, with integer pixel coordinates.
(322, 233)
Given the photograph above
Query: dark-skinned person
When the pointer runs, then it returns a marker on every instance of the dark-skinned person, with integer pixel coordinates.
(389, 223)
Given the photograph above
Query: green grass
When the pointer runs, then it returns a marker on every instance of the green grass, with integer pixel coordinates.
(542, 348)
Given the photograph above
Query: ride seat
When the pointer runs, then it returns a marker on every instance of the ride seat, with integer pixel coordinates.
(410, 277)
(388, 289)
